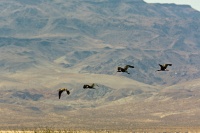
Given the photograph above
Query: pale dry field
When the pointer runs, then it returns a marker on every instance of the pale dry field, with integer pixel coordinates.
(139, 130)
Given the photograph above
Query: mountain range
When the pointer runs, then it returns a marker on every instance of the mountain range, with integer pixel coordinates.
(46, 45)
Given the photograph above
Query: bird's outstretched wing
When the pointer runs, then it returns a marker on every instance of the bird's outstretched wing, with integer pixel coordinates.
(130, 66)
(168, 64)
(68, 92)
(59, 93)
(127, 66)
(161, 66)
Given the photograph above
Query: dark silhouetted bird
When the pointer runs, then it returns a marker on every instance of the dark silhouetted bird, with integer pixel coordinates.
(89, 86)
(164, 67)
(120, 69)
(61, 90)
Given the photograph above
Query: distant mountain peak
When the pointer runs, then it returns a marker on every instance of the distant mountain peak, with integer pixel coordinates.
(173, 5)
(116, 1)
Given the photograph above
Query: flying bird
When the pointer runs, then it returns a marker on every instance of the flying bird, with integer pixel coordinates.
(61, 90)
(164, 67)
(89, 86)
(120, 69)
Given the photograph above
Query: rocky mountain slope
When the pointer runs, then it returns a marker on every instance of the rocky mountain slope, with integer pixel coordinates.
(97, 36)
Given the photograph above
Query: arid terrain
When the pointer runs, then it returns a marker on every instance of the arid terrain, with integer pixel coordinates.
(46, 45)
(118, 103)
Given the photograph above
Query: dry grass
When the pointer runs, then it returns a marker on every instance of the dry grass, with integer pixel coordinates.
(139, 130)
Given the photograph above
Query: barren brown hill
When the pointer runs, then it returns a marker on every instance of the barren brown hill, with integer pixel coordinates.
(98, 36)
(118, 103)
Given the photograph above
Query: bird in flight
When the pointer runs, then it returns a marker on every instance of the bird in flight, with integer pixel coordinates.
(61, 90)
(164, 67)
(120, 69)
(89, 86)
